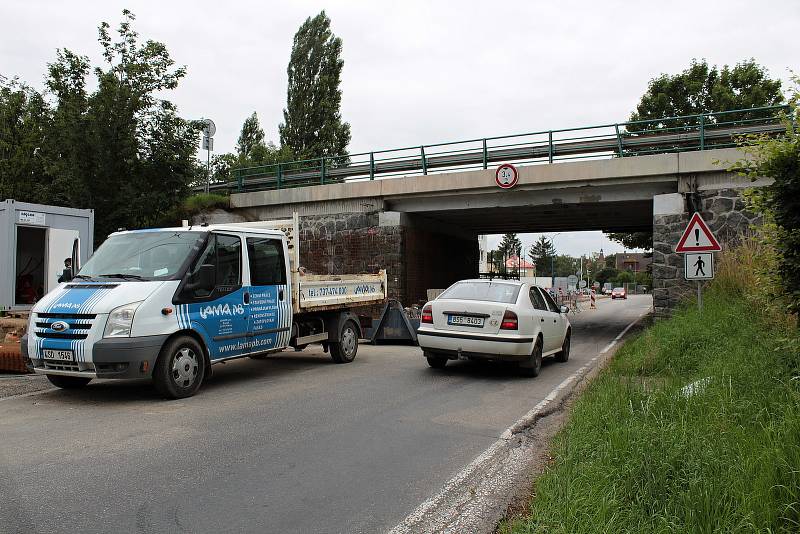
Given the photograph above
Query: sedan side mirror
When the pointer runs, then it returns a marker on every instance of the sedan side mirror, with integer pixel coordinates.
(564, 309)
(204, 279)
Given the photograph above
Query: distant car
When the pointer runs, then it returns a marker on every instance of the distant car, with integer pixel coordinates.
(619, 293)
(607, 291)
(498, 320)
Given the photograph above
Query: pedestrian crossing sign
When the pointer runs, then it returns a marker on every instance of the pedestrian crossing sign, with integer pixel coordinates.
(698, 265)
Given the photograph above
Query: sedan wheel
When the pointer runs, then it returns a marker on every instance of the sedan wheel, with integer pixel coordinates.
(563, 355)
(533, 365)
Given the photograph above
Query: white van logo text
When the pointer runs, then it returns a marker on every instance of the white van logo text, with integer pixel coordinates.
(222, 310)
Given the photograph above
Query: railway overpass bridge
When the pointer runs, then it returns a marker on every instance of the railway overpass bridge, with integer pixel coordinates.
(423, 226)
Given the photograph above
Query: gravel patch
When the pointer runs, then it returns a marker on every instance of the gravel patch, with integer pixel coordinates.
(20, 384)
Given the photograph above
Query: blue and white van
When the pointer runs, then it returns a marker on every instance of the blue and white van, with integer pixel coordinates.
(169, 303)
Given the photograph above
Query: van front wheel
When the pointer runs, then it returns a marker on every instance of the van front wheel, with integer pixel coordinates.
(179, 370)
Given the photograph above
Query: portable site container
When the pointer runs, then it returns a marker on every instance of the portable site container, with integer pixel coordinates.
(35, 240)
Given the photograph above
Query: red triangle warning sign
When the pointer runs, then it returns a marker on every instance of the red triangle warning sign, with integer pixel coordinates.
(697, 237)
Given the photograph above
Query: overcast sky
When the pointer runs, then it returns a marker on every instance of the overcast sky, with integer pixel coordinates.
(422, 72)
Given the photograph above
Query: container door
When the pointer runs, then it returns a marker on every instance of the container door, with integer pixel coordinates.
(270, 314)
(59, 250)
(31, 255)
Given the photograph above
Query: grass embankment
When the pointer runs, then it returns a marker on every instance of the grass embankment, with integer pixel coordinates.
(641, 455)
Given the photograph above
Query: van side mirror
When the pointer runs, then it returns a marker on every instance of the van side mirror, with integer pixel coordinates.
(564, 309)
(204, 279)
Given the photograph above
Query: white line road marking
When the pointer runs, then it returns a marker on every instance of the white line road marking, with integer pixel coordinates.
(409, 524)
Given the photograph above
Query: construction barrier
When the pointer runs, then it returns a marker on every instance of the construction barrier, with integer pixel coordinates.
(11, 360)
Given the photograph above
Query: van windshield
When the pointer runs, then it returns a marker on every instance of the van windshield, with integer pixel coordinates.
(154, 255)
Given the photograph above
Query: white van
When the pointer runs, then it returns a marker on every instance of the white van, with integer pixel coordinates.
(166, 304)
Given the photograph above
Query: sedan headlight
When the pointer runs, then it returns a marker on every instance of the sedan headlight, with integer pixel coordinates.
(120, 321)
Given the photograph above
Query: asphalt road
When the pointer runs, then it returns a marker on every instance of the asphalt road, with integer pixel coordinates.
(290, 444)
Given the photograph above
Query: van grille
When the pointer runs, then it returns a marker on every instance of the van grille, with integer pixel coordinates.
(78, 325)
(66, 315)
(61, 335)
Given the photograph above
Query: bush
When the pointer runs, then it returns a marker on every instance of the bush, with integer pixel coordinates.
(779, 159)
(203, 202)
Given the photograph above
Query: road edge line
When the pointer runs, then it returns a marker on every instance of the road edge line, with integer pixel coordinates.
(526, 421)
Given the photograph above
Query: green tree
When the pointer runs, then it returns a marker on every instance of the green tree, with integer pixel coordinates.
(624, 277)
(700, 89)
(222, 165)
(121, 149)
(510, 245)
(644, 278)
(643, 240)
(607, 274)
(66, 144)
(497, 261)
(313, 126)
(25, 120)
(143, 153)
(565, 265)
(704, 89)
(251, 138)
(541, 253)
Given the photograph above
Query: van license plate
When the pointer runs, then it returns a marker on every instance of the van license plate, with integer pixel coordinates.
(465, 320)
(62, 355)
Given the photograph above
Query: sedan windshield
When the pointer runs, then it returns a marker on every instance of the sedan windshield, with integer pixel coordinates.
(142, 255)
(488, 291)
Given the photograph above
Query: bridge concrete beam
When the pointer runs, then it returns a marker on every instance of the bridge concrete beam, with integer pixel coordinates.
(351, 196)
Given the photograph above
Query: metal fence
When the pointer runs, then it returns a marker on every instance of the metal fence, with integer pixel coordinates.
(669, 134)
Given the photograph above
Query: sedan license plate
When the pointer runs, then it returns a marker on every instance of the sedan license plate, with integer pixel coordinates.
(465, 320)
(62, 355)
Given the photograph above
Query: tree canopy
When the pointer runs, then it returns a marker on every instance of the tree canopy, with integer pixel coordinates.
(313, 126)
(251, 138)
(703, 89)
(510, 245)
(541, 252)
(700, 89)
(643, 240)
(120, 149)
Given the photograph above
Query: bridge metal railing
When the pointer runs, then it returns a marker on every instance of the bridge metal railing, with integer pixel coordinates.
(669, 134)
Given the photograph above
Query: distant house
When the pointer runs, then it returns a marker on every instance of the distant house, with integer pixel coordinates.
(632, 261)
(513, 263)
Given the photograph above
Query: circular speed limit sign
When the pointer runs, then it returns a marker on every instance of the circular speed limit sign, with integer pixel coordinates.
(506, 176)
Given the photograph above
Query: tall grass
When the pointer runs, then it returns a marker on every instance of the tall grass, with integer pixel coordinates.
(643, 454)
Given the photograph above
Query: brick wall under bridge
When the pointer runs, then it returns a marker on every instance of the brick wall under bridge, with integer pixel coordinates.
(416, 255)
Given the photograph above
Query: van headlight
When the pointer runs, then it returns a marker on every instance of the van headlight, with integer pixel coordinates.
(120, 321)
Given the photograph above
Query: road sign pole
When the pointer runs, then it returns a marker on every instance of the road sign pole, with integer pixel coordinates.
(699, 296)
